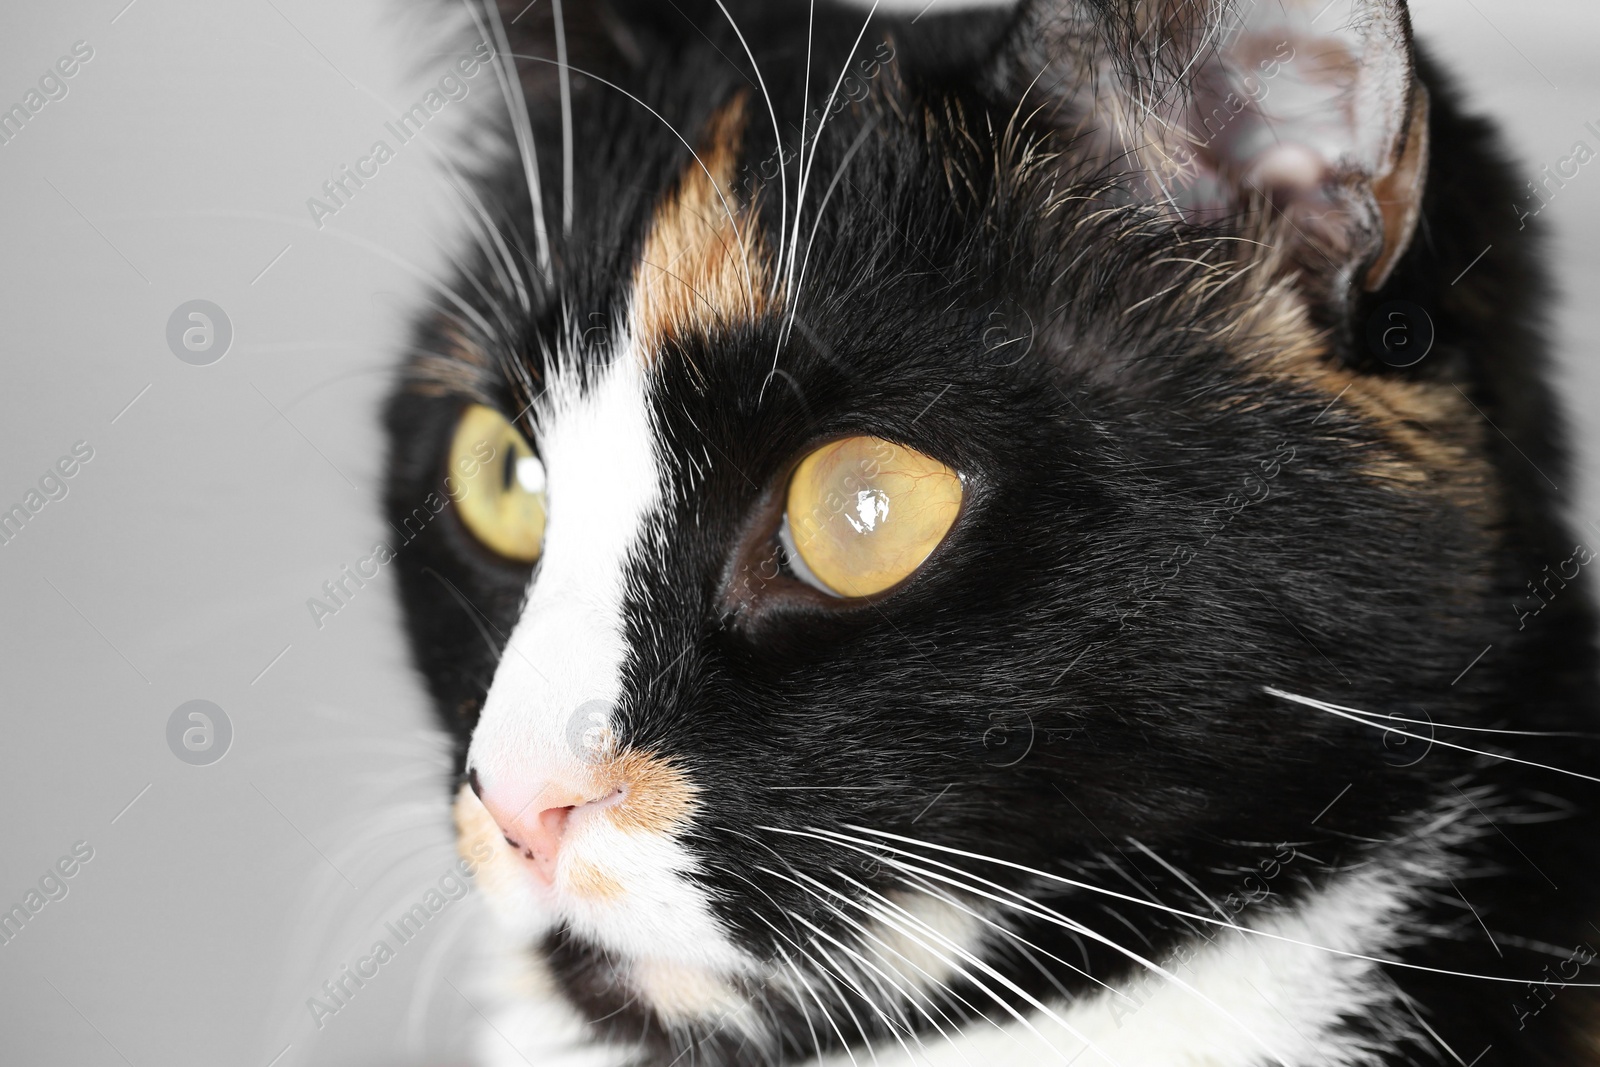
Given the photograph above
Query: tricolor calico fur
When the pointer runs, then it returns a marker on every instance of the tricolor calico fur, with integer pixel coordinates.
(1211, 732)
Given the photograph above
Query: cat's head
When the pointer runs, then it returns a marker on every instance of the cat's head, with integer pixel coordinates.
(887, 465)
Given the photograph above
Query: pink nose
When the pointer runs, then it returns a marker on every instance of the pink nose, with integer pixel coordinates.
(534, 822)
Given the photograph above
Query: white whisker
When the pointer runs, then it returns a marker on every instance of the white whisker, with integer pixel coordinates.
(818, 1000)
(816, 223)
(827, 965)
(777, 134)
(805, 1012)
(808, 161)
(517, 104)
(1368, 718)
(564, 75)
(881, 945)
(1180, 876)
(914, 939)
(994, 974)
(863, 931)
(815, 930)
(1018, 938)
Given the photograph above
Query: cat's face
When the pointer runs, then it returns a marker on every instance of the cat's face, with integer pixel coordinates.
(933, 496)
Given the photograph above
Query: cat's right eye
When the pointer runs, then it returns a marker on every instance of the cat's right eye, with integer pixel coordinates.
(497, 484)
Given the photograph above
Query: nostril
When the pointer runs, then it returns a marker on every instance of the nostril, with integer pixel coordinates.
(472, 780)
(553, 822)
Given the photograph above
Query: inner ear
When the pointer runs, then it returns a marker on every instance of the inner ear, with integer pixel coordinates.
(1302, 120)
(1313, 110)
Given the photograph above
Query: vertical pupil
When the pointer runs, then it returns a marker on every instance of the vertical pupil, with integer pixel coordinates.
(509, 471)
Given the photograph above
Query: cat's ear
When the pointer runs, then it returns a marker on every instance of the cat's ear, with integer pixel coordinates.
(1301, 121)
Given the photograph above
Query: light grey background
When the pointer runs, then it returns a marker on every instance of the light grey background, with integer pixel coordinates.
(221, 497)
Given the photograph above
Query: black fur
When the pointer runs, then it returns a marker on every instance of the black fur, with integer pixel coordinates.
(1082, 664)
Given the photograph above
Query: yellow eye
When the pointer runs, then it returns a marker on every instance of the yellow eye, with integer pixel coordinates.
(497, 484)
(864, 513)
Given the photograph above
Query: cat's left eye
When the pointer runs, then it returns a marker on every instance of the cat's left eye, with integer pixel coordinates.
(864, 513)
(497, 484)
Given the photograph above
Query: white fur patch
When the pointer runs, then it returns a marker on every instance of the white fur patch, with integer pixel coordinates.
(562, 669)
(567, 650)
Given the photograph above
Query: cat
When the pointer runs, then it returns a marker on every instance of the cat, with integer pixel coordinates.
(1002, 537)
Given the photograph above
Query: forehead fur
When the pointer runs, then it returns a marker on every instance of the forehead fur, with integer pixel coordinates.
(703, 264)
